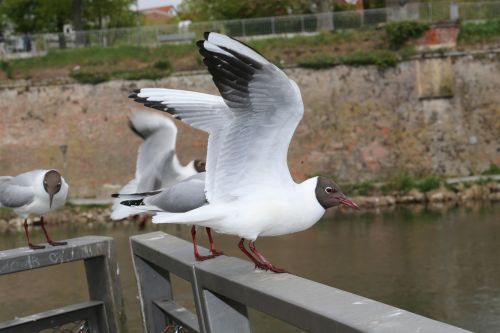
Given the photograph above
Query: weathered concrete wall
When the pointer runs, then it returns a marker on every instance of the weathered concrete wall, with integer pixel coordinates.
(437, 116)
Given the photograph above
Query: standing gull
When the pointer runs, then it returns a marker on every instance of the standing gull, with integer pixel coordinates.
(157, 163)
(248, 186)
(35, 192)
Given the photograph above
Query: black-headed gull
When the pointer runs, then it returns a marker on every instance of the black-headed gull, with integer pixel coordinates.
(35, 192)
(248, 187)
(157, 163)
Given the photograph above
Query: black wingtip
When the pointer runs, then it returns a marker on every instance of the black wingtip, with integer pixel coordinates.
(115, 195)
(199, 43)
(137, 91)
(141, 99)
(132, 96)
(206, 34)
(132, 203)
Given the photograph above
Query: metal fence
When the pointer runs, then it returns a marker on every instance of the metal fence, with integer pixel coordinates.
(103, 313)
(224, 287)
(267, 26)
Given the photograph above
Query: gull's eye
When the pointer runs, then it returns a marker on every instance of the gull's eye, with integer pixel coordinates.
(329, 190)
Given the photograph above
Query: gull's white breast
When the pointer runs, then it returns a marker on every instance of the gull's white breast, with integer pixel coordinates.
(273, 214)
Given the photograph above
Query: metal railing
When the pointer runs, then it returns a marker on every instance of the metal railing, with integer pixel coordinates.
(266, 26)
(224, 287)
(103, 313)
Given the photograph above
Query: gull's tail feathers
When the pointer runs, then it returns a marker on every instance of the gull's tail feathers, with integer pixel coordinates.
(120, 211)
(145, 123)
(196, 216)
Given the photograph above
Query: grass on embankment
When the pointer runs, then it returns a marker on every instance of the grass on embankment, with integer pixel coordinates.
(477, 33)
(382, 47)
(94, 65)
(404, 183)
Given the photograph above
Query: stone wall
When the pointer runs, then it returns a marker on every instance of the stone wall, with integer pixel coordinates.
(439, 116)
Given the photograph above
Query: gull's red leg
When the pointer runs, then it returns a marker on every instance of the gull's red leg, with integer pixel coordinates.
(212, 245)
(257, 263)
(49, 240)
(195, 245)
(142, 219)
(263, 259)
(31, 245)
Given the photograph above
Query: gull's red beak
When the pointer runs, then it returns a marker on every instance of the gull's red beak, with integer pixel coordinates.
(349, 203)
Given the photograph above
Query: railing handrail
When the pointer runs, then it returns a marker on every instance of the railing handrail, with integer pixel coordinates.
(105, 306)
(225, 286)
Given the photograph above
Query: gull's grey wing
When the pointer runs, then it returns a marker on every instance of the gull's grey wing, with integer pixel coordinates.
(181, 197)
(14, 196)
(4, 179)
(266, 108)
(157, 163)
(206, 112)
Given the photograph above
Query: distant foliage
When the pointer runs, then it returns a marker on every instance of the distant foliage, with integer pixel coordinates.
(492, 170)
(398, 33)
(203, 10)
(380, 58)
(7, 68)
(34, 16)
(405, 183)
(318, 61)
(90, 77)
(162, 64)
(479, 32)
(96, 75)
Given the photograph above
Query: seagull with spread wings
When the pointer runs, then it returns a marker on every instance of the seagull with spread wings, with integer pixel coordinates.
(248, 190)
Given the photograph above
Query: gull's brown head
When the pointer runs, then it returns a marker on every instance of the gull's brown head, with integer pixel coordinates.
(52, 182)
(199, 165)
(329, 194)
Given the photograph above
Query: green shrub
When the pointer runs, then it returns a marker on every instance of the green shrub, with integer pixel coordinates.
(318, 61)
(162, 65)
(364, 188)
(428, 183)
(492, 170)
(381, 58)
(405, 183)
(7, 68)
(399, 32)
(90, 77)
(144, 74)
(479, 32)
(98, 75)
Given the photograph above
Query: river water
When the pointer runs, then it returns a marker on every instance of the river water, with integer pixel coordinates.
(440, 263)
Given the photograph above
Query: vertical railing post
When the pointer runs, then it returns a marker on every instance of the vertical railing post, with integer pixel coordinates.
(221, 314)
(273, 28)
(153, 283)
(302, 25)
(104, 285)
